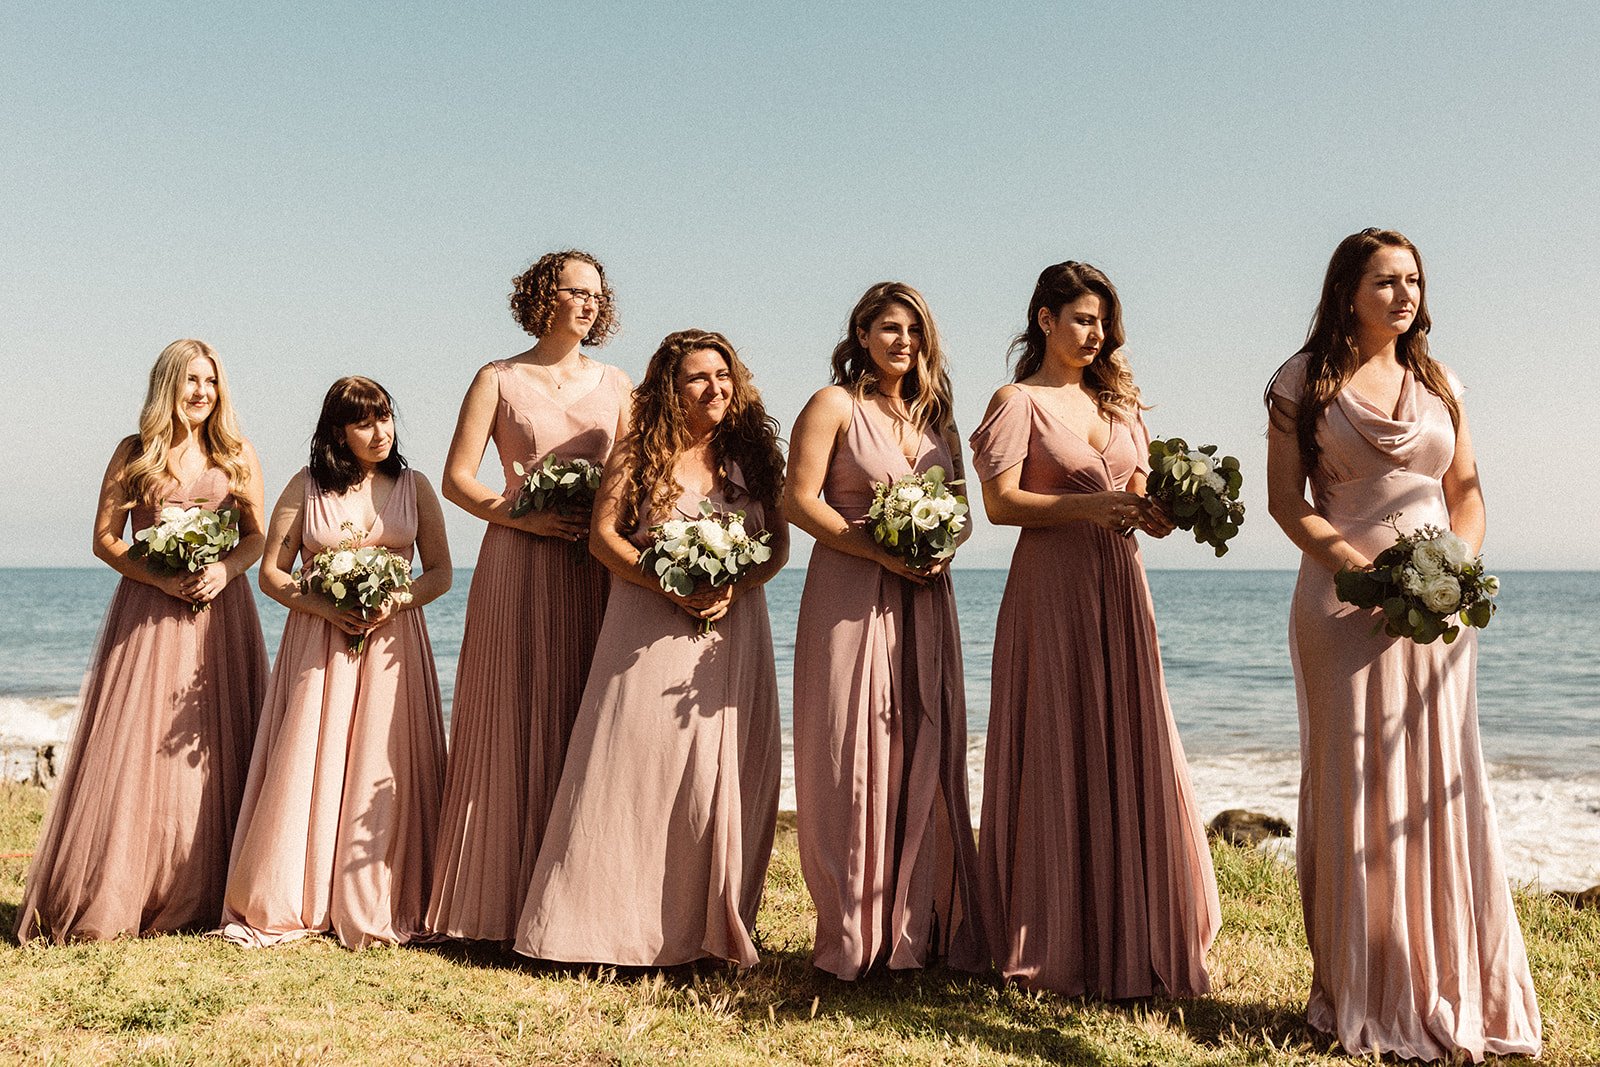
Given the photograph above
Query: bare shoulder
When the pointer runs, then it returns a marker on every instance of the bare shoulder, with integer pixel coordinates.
(831, 403)
(1003, 396)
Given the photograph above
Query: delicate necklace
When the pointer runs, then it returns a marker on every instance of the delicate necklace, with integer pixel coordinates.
(548, 373)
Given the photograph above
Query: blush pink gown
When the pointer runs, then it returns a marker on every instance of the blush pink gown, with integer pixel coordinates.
(880, 741)
(1092, 846)
(337, 829)
(659, 840)
(138, 834)
(533, 616)
(1416, 947)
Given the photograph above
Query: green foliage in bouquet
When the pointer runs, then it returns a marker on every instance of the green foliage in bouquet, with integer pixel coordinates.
(357, 577)
(917, 517)
(1199, 491)
(1422, 582)
(184, 540)
(554, 483)
(713, 550)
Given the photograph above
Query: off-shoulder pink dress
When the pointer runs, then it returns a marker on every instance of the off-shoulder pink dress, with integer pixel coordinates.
(1415, 944)
(533, 616)
(880, 740)
(337, 830)
(137, 837)
(658, 844)
(1092, 845)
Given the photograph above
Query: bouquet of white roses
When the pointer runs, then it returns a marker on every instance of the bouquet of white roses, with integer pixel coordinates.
(555, 483)
(1199, 491)
(183, 540)
(917, 517)
(1420, 582)
(713, 550)
(356, 577)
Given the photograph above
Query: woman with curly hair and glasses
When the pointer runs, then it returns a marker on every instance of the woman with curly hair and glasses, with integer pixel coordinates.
(536, 601)
(659, 840)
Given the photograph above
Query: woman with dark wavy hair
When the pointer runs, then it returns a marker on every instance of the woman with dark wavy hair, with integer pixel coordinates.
(1416, 946)
(1092, 846)
(658, 843)
(534, 609)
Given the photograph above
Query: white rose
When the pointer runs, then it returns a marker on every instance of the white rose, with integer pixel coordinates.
(736, 531)
(1410, 580)
(1428, 558)
(713, 536)
(673, 529)
(171, 514)
(909, 494)
(1453, 548)
(1441, 593)
(924, 514)
(342, 563)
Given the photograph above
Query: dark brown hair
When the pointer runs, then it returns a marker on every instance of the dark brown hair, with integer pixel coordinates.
(352, 399)
(533, 296)
(1109, 375)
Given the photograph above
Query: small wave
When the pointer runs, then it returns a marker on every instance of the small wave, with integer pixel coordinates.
(36, 720)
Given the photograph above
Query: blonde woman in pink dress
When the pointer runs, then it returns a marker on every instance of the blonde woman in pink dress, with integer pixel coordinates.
(1416, 946)
(537, 598)
(880, 717)
(137, 838)
(337, 830)
(659, 840)
(1092, 846)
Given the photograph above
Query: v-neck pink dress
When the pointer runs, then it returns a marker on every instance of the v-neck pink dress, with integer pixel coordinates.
(880, 740)
(137, 838)
(1092, 846)
(337, 830)
(659, 840)
(533, 616)
(1416, 947)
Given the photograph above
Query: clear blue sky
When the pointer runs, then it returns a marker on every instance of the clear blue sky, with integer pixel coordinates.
(328, 188)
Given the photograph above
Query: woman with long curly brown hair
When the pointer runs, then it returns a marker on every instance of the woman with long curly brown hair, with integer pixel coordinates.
(138, 835)
(659, 839)
(1407, 910)
(880, 718)
(1091, 847)
(536, 601)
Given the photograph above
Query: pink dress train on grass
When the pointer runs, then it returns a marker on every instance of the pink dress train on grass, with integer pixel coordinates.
(138, 834)
(880, 741)
(658, 844)
(533, 616)
(1092, 846)
(337, 830)
(1415, 943)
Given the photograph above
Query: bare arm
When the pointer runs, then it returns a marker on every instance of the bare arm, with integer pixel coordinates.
(607, 542)
(1463, 493)
(111, 520)
(1287, 503)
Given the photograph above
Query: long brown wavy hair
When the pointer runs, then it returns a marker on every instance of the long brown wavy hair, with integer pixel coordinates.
(1332, 355)
(1109, 375)
(533, 296)
(145, 474)
(747, 435)
(926, 389)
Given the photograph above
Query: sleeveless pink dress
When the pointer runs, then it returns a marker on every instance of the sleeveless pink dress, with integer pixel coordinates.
(533, 616)
(880, 740)
(137, 838)
(337, 829)
(1415, 944)
(662, 830)
(1091, 845)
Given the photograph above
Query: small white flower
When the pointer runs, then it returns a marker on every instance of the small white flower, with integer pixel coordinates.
(1410, 580)
(1214, 481)
(1453, 549)
(1441, 593)
(924, 514)
(713, 536)
(1490, 585)
(736, 531)
(342, 563)
(909, 493)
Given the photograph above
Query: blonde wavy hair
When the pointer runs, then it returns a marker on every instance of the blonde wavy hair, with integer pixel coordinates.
(1110, 375)
(926, 389)
(145, 474)
(533, 296)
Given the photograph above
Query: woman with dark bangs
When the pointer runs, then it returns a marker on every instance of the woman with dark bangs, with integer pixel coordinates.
(342, 804)
(662, 829)
(1416, 946)
(534, 610)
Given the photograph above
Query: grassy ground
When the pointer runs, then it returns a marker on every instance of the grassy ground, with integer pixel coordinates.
(181, 1000)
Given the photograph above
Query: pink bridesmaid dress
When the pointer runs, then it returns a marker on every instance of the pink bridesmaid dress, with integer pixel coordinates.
(533, 616)
(1092, 847)
(137, 837)
(659, 840)
(337, 829)
(880, 741)
(1415, 943)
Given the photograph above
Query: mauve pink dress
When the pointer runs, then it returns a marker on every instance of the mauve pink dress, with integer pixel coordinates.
(138, 833)
(337, 829)
(880, 740)
(1416, 946)
(1092, 846)
(533, 616)
(659, 840)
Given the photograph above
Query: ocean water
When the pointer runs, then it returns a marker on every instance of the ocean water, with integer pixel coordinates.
(1227, 667)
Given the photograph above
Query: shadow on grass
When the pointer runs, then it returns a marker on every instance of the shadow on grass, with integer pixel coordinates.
(8, 923)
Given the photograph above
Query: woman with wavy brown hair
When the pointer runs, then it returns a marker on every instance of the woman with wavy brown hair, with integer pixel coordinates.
(1408, 913)
(659, 839)
(880, 717)
(536, 601)
(138, 835)
(1091, 846)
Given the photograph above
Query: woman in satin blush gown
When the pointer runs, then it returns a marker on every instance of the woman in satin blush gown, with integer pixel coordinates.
(1415, 944)
(659, 840)
(1091, 845)
(534, 609)
(880, 717)
(336, 834)
(137, 838)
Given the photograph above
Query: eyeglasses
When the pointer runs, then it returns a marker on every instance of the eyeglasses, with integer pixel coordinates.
(584, 296)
